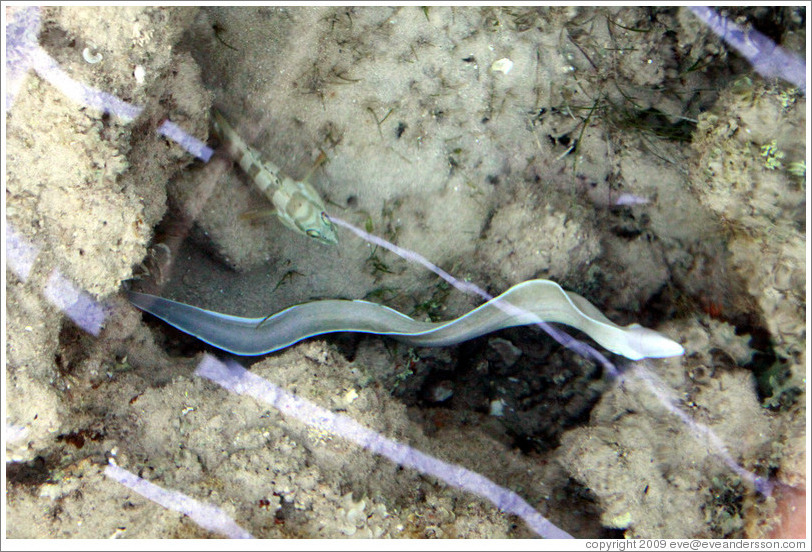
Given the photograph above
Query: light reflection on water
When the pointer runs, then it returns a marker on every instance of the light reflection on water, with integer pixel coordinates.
(88, 314)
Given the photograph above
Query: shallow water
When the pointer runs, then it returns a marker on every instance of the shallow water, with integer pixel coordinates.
(627, 154)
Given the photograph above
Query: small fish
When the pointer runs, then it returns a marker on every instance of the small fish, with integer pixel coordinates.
(298, 205)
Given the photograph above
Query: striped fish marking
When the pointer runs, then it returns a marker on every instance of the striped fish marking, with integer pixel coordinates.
(298, 205)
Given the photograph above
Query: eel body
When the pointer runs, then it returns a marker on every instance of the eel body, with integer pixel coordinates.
(529, 302)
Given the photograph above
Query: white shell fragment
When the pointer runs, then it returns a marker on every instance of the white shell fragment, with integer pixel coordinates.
(139, 72)
(503, 65)
(91, 56)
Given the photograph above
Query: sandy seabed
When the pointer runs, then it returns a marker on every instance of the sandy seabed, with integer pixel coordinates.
(624, 154)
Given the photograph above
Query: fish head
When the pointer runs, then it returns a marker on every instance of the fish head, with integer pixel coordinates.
(322, 230)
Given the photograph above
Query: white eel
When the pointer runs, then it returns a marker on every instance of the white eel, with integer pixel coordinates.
(525, 303)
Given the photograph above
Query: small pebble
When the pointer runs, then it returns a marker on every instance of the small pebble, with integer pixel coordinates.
(508, 352)
(503, 65)
(440, 391)
(139, 72)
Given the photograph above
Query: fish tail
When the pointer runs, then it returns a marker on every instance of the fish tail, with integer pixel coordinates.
(248, 158)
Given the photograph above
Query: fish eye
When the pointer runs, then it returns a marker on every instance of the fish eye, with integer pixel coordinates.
(315, 234)
(325, 219)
